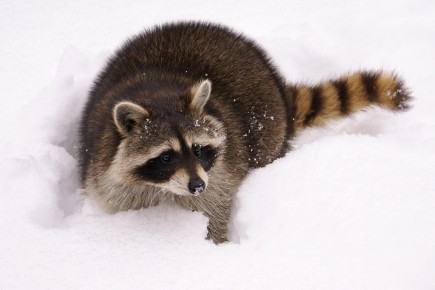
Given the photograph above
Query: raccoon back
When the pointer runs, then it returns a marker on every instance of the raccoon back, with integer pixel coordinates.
(248, 93)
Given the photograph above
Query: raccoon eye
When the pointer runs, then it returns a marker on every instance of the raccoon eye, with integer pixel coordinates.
(206, 155)
(197, 149)
(166, 157)
(158, 169)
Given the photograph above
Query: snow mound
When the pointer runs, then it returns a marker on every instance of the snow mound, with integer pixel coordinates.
(351, 207)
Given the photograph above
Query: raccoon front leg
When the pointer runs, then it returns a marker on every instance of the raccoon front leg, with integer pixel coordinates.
(218, 222)
(216, 206)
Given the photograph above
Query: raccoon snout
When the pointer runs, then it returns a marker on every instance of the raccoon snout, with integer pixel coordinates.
(196, 186)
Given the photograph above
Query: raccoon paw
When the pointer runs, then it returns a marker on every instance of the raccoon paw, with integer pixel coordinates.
(217, 239)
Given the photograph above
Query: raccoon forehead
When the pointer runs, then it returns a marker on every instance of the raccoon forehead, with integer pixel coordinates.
(205, 140)
(208, 122)
(171, 144)
(137, 154)
(206, 131)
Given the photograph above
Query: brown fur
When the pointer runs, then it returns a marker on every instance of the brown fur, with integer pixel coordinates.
(154, 95)
(361, 89)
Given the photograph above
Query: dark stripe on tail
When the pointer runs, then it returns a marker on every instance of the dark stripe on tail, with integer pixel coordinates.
(341, 87)
(316, 105)
(369, 81)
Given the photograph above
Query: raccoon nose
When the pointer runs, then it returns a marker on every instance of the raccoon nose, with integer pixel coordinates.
(196, 186)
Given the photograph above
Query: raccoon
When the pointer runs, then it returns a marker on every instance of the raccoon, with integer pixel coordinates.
(184, 111)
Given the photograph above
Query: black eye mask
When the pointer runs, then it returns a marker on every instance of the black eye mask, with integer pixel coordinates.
(159, 169)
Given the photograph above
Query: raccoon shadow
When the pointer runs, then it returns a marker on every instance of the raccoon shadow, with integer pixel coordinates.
(62, 102)
(373, 121)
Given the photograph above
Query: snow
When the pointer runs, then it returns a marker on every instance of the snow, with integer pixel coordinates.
(351, 207)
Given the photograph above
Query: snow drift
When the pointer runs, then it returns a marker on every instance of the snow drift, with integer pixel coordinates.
(351, 207)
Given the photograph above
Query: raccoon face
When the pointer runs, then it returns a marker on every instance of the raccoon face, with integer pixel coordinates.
(171, 149)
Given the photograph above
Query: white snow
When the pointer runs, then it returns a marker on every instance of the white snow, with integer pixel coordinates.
(351, 207)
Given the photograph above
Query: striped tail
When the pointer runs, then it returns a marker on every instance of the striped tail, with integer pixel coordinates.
(316, 105)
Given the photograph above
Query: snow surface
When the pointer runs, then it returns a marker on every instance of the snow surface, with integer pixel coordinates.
(351, 207)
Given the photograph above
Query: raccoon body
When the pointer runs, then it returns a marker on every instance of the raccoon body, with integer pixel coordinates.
(185, 110)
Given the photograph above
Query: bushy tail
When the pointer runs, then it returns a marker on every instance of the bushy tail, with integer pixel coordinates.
(315, 105)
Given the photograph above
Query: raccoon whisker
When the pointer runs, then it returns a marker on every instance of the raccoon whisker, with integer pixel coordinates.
(157, 192)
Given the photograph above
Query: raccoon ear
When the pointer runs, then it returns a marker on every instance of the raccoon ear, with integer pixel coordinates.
(200, 94)
(127, 115)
